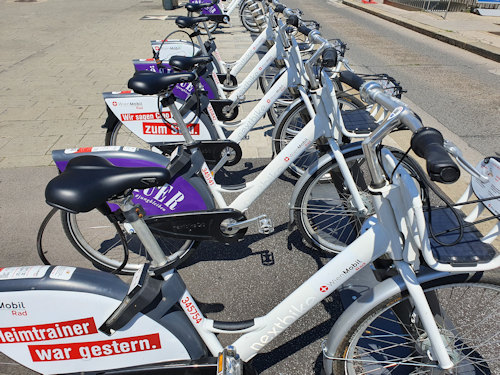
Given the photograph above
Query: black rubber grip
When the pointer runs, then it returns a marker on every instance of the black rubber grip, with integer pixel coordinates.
(351, 79)
(279, 8)
(329, 58)
(428, 144)
(293, 20)
(304, 30)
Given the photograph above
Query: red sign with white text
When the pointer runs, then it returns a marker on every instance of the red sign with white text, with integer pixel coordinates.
(44, 332)
(154, 128)
(94, 349)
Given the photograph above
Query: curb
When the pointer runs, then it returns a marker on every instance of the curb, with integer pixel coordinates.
(484, 50)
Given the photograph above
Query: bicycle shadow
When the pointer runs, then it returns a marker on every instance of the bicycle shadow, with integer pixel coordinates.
(214, 251)
(332, 306)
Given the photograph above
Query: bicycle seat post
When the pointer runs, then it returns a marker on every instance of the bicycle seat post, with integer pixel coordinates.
(179, 120)
(134, 216)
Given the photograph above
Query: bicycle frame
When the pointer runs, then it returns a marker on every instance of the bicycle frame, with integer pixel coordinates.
(166, 49)
(395, 207)
(318, 127)
(216, 9)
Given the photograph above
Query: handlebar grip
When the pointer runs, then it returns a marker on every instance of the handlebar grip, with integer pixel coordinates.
(329, 57)
(351, 79)
(428, 144)
(279, 8)
(293, 20)
(304, 30)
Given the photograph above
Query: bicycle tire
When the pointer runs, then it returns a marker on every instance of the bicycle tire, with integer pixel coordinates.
(248, 20)
(96, 239)
(294, 120)
(324, 210)
(285, 100)
(387, 333)
(212, 26)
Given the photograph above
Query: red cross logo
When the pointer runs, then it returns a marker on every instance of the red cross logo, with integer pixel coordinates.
(323, 289)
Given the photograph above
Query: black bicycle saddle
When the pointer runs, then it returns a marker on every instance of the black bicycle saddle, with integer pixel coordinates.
(197, 7)
(188, 63)
(89, 181)
(184, 22)
(150, 83)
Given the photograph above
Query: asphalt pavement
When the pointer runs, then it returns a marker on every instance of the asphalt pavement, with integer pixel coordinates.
(57, 58)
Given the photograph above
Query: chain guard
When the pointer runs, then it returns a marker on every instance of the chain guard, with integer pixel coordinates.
(219, 105)
(211, 150)
(198, 225)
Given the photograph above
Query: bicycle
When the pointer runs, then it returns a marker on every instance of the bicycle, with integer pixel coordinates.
(346, 210)
(249, 10)
(417, 319)
(134, 133)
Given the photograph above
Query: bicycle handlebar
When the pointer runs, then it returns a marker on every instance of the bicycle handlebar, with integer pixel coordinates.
(279, 8)
(351, 79)
(329, 57)
(426, 142)
(293, 20)
(304, 30)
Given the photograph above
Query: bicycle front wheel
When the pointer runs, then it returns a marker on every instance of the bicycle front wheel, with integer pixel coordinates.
(390, 339)
(290, 124)
(96, 239)
(324, 210)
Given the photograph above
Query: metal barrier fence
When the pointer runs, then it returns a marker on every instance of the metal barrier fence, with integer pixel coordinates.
(435, 5)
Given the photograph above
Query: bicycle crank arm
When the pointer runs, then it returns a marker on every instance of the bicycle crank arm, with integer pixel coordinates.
(264, 223)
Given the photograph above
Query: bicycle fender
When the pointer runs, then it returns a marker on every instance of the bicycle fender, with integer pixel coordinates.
(51, 318)
(367, 301)
(186, 193)
(346, 149)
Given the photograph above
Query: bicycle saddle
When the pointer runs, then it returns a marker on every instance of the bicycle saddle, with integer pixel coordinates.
(184, 22)
(149, 83)
(89, 181)
(197, 7)
(187, 63)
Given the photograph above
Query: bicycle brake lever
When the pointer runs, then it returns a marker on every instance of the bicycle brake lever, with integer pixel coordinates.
(469, 168)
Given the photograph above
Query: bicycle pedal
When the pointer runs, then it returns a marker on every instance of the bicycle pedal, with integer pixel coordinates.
(229, 362)
(266, 226)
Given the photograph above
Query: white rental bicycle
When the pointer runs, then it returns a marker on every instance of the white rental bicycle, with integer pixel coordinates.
(425, 318)
(328, 222)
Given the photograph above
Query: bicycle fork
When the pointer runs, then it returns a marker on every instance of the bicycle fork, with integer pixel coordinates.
(437, 350)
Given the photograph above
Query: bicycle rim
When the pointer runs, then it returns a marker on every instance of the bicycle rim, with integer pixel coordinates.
(325, 212)
(95, 238)
(291, 125)
(248, 20)
(120, 135)
(391, 340)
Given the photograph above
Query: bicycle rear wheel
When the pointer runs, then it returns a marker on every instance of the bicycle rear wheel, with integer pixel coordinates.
(390, 339)
(96, 239)
(247, 18)
(120, 135)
